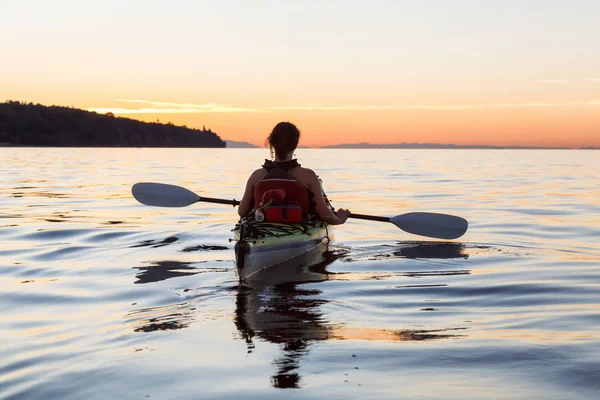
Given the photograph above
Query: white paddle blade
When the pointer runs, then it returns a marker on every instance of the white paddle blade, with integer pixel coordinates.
(440, 226)
(163, 195)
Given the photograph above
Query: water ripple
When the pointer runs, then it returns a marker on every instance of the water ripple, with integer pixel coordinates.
(104, 297)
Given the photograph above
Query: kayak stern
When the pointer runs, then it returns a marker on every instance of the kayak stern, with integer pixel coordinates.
(267, 249)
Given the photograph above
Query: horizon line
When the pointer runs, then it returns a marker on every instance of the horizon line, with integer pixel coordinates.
(425, 145)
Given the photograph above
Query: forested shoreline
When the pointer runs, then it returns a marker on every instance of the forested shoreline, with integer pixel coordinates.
(28, 124)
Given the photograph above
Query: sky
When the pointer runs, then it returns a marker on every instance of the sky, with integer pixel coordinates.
(499, 72)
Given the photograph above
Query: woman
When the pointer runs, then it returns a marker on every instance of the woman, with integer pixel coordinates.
(283, 141)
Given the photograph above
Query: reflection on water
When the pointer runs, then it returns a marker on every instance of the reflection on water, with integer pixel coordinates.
(430, 250)
(203, 247)
(172, 317)
(156, 243)
(421, 249)
(163, 270)
(284, 314)
(290, 314)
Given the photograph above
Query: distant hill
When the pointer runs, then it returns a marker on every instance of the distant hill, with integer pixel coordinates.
(28, 124)
(231, 144)
(429, 146)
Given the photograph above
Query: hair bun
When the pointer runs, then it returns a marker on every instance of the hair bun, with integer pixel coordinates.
(283, 139)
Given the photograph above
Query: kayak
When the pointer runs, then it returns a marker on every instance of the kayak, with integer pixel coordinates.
(267, 249)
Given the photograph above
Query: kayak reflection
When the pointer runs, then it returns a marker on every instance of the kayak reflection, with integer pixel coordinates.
(290, 315)
(285, 314)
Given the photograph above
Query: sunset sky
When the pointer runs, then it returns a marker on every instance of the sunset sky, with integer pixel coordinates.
(506, 72)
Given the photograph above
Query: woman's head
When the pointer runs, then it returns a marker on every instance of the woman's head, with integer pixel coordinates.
(283, 140)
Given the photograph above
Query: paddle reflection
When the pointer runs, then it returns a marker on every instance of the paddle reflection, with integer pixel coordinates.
(163, 270)
(430, 250)
(165, 318)
(413, 250)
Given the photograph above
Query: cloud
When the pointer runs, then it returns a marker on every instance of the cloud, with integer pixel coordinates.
(553, 81)
(506, 105)
(320, 107)
(187, 108)
(592, 79)
(144, 110)
(161, 107)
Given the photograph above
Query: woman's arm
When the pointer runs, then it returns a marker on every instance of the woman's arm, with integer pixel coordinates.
(321, 207)
(248, 199)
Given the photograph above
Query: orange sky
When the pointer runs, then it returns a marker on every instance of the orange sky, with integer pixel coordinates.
(533, 125)
(464, 72)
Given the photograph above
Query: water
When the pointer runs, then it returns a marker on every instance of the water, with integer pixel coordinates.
(105, 298)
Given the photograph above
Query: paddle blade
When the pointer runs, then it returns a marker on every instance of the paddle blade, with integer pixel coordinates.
(163, 195)
(441, 226)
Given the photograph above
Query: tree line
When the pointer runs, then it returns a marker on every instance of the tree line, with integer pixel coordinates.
(28, 124)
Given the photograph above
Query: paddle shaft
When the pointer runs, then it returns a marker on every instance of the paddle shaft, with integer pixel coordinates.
(369, 217)
(219, 201)
(352, 215)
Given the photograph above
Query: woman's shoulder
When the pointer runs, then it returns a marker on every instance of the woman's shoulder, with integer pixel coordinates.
(258, 174)
(306, 176)
(307, 171)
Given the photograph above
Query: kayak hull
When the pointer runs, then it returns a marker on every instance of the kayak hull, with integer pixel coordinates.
(275, 250)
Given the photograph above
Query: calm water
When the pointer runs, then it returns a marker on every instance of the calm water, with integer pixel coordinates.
(102, 297)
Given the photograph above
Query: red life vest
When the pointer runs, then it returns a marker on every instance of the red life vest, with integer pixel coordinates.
(281, 196)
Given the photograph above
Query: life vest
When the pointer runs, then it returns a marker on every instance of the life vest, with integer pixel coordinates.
(279, 196)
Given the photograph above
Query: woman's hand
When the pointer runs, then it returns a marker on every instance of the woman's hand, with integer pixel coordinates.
(342, 215)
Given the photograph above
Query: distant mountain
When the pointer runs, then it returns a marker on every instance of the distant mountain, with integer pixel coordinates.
(231, 144)
(28, 124)
(428, 146)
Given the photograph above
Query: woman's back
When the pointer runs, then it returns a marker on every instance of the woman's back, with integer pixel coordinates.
(283, 142)
(303, 175)
(299, 173)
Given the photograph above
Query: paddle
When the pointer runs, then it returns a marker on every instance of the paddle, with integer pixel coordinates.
(440, 226)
